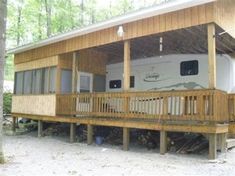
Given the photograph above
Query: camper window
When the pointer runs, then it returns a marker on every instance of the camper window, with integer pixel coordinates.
(189, 68)
(132, 81)
(115, 84)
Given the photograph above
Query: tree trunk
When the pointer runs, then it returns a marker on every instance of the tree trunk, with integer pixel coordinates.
(40, 21)
(3, 17)
(19, 9)
(71, 14)
(48, 15)
(82, 12)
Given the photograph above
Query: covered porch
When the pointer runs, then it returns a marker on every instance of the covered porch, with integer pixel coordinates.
(206, 111)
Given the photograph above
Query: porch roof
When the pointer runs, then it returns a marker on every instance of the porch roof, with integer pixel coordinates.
(130, 17)
(191, 40)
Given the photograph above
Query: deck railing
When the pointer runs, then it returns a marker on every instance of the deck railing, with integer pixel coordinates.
(193, 105)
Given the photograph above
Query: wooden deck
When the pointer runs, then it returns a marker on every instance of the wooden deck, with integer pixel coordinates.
(196, 111)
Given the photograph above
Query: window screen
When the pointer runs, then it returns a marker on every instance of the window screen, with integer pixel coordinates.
(189, 68)
(115, 84)
(27, 82)
(132, 81)
(37, 81)
(45, 75)
(19, 76)
(52, 80)
(66, 81)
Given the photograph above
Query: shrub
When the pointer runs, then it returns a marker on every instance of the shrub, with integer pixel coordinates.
(7, 97)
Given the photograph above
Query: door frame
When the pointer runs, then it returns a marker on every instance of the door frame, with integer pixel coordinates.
(84, 74)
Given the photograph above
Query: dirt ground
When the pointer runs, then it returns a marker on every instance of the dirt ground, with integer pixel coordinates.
(28, 155)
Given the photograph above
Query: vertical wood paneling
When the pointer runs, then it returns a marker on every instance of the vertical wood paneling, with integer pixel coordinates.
(162, 23)
(202, 14)
(92, 61)
(195, 16)
(156, 24)
(188, 18)
(224, 15)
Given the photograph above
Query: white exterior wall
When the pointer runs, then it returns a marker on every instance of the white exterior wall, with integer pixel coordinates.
(168, 70)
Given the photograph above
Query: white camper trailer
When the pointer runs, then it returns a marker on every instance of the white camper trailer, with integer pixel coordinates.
(172, 72)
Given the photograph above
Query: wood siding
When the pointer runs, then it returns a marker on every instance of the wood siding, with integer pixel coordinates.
(176, 20)
(65, 60)
(35, 64)
(34, 104)
(224, 15)
(92, 61)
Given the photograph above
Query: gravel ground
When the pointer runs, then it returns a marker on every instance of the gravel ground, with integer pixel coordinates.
(28, 155)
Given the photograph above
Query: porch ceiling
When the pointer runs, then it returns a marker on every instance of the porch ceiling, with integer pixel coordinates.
(191, 40)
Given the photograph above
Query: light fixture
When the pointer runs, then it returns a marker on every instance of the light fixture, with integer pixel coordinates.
(120, 31)
(161, 44)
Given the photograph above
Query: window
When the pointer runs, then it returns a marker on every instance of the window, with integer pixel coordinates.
(45, 78)
(115, 84)
(188, 68)
(35, 81)
(52, 83)
(85, 83)
(132, 81)
(66, 81)
(27, 82)
(19, 77)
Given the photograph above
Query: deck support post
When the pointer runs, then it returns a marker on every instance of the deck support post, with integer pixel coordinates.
(163, 142)
(89, 134)
(222, 142)
(72, 132)
(126, 138)
(211, 55)
(212, 146)
(14, 124)
(40, 128)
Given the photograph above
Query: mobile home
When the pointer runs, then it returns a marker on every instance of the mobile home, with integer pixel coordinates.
(168, 68)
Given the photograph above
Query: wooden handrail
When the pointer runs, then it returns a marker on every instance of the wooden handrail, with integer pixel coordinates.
(193, 105)
(231, 107)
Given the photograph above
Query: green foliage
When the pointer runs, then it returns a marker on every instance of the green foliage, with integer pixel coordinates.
(9, 68)
(7, 98)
